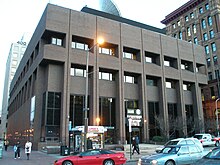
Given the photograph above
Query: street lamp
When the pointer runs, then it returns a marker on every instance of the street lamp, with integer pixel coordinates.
(99, 42)
(216, 113)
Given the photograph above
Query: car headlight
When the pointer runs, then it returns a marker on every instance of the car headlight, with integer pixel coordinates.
(154, 162)
(139, 161)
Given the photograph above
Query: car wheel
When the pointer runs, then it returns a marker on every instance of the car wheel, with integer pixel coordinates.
(108, 162)
(67, 162)
(217, 143)
(170, 162)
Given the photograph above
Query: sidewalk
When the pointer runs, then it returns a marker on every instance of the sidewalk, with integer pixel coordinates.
(36, 158)
(41, 158)
(145, 149)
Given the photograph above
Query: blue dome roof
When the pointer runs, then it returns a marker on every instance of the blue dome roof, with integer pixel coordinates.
(109, 7)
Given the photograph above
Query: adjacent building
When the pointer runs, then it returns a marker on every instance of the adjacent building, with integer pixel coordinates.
(198, 22)
(15, 54)
(138, 73)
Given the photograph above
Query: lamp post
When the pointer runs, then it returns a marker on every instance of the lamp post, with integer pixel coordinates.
(216, 113)
(99, 42)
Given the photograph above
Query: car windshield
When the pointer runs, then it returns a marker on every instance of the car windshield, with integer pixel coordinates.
(95, 152)
(172, 142)
(198, 136)
(170, 150)
(214, 154)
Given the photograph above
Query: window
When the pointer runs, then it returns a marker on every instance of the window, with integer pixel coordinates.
(186, 18)
(151, 81)
(200, 10)
(15, 55)
(78, 72)
(166, 63)
(56, 41)
(170, 83)
(16, 48)
(186, 65)
(203, 24)
(210, 75)
(213, 47)
(196, 40)
(188, 31)
(208, 62)
(207, 49)
(174, 26)
(207, 6)
(107, 51)
(209, 20)
(152, 58)
(205, 37)
(186, 86)
(215, 60)
(77, 45)
(211, 33)
(14, 62)
(191, 15)
(180, 35)
(130, 79)
(194, 28)
(170, 61)
(106, 76)
(178, 23)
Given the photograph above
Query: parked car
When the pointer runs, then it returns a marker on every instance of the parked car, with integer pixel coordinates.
(216, 140)
(173, 155)
(94, 157)
(181, 141)
(213, 157)
(205, 139)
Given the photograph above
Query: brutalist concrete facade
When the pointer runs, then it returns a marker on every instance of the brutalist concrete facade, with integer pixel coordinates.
(145, 68)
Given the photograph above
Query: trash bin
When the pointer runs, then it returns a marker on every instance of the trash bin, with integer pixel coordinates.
(64, 150)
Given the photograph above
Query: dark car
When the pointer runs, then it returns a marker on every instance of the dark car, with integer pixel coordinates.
(213, 157)
(94, 157)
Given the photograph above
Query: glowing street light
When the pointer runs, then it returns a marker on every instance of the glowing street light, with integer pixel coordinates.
(100, 41)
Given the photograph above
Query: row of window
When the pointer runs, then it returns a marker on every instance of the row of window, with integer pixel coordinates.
(215, 61)
(128, 53)
(127, 78)
(213, 48)
(191, 15)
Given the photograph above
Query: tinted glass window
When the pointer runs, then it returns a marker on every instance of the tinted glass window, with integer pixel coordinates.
(184, 150)
(189, 142)
(193, 149)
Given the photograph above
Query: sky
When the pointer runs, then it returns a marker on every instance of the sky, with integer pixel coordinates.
(20, 18)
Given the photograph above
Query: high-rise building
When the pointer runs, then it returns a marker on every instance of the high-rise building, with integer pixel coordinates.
(15, 55)
(139, 73)
(198, 22)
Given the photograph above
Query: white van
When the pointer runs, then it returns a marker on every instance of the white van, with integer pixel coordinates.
(205, 139)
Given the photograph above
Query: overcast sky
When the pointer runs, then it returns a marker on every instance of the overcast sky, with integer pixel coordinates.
(20, 17)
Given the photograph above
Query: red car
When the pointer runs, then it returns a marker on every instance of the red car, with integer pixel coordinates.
(94, 157)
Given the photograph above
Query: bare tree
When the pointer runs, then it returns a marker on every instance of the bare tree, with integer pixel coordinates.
(176, 124)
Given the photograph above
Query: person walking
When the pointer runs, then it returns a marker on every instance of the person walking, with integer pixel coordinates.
(18, 150)
(6, 143)
(15, 151)
(27, 149)
(134, 146)
(137, 143)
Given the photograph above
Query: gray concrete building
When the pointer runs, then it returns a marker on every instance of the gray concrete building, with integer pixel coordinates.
(138, 73)
(16, 52)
